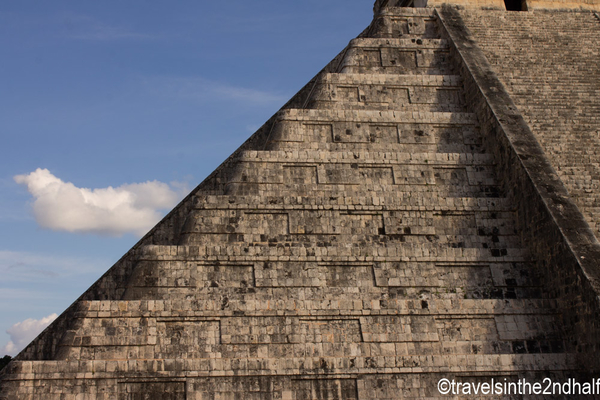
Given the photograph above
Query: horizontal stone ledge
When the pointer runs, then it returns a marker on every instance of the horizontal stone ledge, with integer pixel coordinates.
(441, 190)
(473, 209)
(345, 262)
(385, 116)
(304, 142)
(505, 246)
(349, 202)
(405, 12)
(402, 252)
(392, 80)
(191, 368)
(299, 258)
(363, 157)
(410, 44)
(319, 308)
(427, 104)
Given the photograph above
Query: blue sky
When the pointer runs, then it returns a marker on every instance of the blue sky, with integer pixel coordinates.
(111, 111)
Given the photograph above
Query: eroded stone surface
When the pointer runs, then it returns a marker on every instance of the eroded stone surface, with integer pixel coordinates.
(553, 79)
(363, 244)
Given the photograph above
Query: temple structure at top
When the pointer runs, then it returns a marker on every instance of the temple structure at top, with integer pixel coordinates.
(509, 5)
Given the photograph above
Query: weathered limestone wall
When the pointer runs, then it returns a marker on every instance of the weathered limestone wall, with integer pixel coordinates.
(477, 4)
(559, 238)
(112, 285)
(395, 223)
(550, 64)
(535, 5)
(487, 4)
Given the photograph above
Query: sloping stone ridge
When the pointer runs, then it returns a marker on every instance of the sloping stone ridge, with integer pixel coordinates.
(559, 238)
(382, 231)
(554, 79)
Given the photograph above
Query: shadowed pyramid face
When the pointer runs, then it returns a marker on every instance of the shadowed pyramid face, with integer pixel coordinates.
(363, 244)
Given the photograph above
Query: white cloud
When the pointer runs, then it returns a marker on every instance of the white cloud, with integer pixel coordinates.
(130, 208)
(24, 332)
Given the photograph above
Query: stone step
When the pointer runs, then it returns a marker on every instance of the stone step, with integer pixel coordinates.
(382, 385)
(362, 355)
(255, 329)
(417, 100)
(399, 24)
(270, 169)
(210, 307)
(427, 205)
(485, 364)
(345, 236)
(496, 246)
(397, 56)
(366, 130)
(464, 175)
(395, 92)
(496, 280)
(157, 280)
(446, 144)
(278, 171)
(287, 288)
(193, 248)
(375, 202)
(366, 158)
(407, 12)
(281, 222)
(386, 80)
(375, 116)
(383, 184)
(398, 43)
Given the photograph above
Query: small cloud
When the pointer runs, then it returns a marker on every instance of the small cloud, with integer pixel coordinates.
(10, 349)
(24, 332)
(130, 208)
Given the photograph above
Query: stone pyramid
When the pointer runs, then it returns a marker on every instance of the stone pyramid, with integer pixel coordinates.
(395, 223)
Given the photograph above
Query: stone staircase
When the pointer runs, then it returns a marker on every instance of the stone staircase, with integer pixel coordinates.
(555, 86)
(364, 251)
